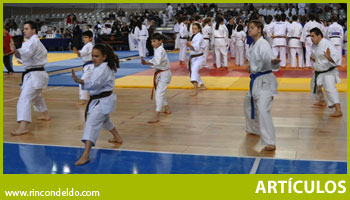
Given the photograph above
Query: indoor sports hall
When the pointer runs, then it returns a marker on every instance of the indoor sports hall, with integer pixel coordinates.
(204, 134)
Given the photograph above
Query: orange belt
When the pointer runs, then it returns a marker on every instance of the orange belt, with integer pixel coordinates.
(154, 81)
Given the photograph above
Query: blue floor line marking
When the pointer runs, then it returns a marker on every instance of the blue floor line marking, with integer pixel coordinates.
(280, 166)
(41, 159)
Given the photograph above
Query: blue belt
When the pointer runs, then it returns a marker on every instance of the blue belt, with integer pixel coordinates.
(252, 79)
(87, 63)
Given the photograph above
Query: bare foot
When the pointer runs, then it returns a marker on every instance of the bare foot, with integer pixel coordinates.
(320, 104)
(270, 147)
(19, 132)
(202, 87)
(252, 134)
(195, 93)
(82, 161)
(336, 114)
(167, 110)
(44, 117)
(116, 139)
(154, 120)
(82, 102)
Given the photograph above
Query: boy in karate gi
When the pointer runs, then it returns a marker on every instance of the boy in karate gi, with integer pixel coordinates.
(33, 56)
(85, 55)
(263, 87)
(162, 75)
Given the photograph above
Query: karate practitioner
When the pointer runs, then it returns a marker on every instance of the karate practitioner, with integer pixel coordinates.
(85, 55)
(335, 34)
(231, 26)
(294, 43)
(220, 38)
(33, 56)
(263, 87)
(176, 33)
(196, 45)
(102, 100)
(162, 75)
(239, 37)
(183, 40)
(141, 34)
(325, 57)
(279, 44)
(305, 37)
(206, 33)
(170, 11)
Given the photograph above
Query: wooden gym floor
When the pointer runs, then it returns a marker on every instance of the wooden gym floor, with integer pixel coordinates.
(210, 124)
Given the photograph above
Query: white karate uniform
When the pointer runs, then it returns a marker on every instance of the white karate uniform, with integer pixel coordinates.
(335, 34)
(232, 44)
(164, 19)
(183, 40)
(295, 45)
(85, 55)
(305, 37)
(220, 38)
(101, 80)
(301, 7)
(177, 36)
(160, 61)
(141, 36)
(268, 33)
(239, 38)
(33, 55)
(346, 44)
(326, 80)
(279, 45)
(197, 62)
(170, 11)
(206, 33)
(106, 31)
(263, 91)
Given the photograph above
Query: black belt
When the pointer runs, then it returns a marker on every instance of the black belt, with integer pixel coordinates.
(98, 96)
(334, 37)
(279, 36)
(318, 73)
(87, 63)
(294, 38)
(206, 38)
(219, 37)
(32, 70)
(189, 61)
(308, 35)
(185, 38)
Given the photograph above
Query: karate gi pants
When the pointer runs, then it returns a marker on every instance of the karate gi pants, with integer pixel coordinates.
(328, 85)
(281, 51)
(183, 48)
(293, 53)
(29, 95)
(163, 79)
(221, 51)
(262, 124)
(196, 64)
(94, 122)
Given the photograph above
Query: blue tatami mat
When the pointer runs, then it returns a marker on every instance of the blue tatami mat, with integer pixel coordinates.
(70, 63)
(126, 68)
